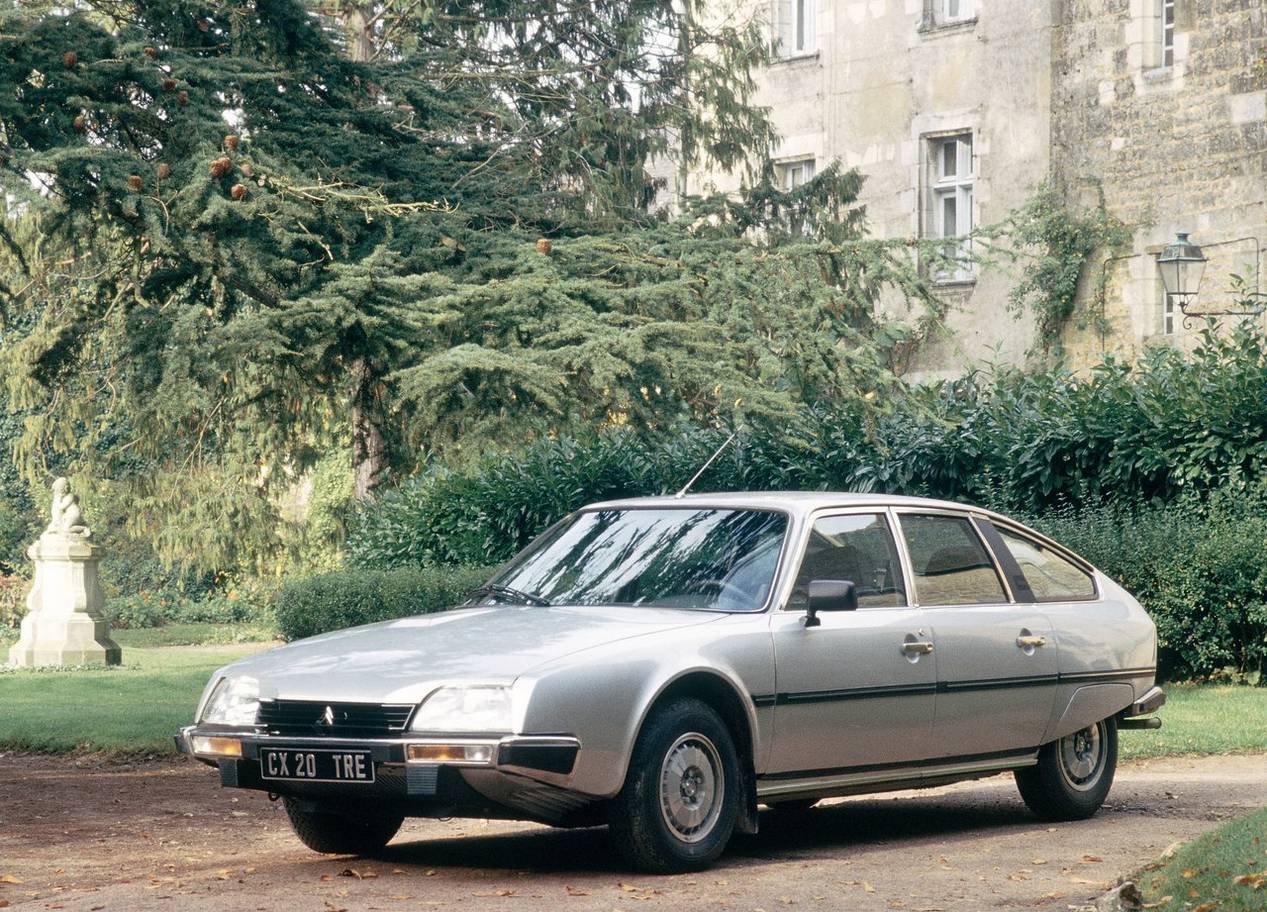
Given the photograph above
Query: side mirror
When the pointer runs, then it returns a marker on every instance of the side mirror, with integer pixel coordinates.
(830, 595)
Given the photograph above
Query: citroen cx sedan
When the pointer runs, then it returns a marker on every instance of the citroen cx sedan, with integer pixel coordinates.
(666, 665)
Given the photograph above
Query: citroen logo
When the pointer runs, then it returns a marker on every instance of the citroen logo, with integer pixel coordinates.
(327, 717)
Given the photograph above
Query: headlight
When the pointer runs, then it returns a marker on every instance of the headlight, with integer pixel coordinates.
(234, 701)
(483, 708)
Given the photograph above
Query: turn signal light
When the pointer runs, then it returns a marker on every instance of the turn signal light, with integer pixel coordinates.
(450, 753)
(217, 747)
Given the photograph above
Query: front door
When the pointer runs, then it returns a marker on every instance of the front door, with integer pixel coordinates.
(858, 690)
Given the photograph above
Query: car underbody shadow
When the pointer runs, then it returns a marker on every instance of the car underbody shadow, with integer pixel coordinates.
(829, 828)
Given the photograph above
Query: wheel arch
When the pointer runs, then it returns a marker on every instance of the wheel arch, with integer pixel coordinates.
(737, 712)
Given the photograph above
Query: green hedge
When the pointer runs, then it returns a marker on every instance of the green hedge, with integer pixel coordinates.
(1171, 426)
(1199, 570)
(346, 598)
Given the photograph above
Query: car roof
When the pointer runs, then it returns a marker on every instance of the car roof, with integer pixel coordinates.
(792, 501)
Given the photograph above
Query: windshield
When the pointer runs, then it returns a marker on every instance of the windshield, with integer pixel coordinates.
(712, 559)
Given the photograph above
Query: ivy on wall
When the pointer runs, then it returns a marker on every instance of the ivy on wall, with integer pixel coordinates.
(1054, 244)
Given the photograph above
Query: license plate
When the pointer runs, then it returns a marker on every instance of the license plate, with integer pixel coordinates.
(323, 765)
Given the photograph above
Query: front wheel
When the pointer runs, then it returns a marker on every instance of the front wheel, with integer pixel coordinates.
(338, 830)
(1073, 775)
(681, 796)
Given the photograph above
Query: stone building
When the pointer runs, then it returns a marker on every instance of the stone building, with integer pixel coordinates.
(955, 110)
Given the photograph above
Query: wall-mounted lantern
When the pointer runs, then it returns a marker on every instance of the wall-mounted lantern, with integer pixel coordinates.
(1182, 265)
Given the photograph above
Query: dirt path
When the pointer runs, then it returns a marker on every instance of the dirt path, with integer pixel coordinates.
(96, 837)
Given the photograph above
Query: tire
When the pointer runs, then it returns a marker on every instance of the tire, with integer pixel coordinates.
(339, 829)
(682, 793)
(792, 805)
(1073, 775)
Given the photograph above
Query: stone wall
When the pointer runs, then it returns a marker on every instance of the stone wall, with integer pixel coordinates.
(1076, 89)
(1171, 148)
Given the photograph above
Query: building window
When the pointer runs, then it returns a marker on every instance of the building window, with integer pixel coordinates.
(1167, 315)
(1166, 24)
(950, 199)
(793, 174)
(948, 12)
(795, 20)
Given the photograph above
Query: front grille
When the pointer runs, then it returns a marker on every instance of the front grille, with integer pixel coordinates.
(334, 720)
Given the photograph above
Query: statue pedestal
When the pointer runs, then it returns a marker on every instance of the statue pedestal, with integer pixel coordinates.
(63, 624)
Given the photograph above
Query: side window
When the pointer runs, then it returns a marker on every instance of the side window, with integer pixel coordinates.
(950, 564)
(858, 547)
(1050, 576)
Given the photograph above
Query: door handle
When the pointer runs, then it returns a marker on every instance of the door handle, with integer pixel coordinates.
(1031, 642)
(917, 647)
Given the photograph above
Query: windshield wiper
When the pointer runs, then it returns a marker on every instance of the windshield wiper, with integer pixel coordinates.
(526, 598)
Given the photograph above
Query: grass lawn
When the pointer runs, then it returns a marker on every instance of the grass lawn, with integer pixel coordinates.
(1223, 870)
(138, 707)
(135, 708)
(1204, 719)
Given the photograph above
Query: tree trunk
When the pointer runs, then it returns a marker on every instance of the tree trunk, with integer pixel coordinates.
(369, 448)
(356, 23)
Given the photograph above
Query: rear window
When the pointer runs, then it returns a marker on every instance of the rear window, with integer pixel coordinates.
(1051, 577)
(950, 564)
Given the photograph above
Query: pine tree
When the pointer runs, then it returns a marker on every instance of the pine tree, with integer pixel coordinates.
(239, 232)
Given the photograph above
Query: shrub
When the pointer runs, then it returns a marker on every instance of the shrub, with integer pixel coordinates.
(1170, 426)
(1197, 568)
(346, 598)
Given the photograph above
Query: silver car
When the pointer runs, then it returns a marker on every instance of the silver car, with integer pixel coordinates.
(665, 665)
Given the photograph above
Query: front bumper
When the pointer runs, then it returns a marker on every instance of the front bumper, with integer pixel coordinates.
(547, 759)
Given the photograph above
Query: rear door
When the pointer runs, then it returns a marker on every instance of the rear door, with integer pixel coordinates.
(996, 652)
(859, 689)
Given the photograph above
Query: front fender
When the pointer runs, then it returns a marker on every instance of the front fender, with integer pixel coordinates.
(603, 696)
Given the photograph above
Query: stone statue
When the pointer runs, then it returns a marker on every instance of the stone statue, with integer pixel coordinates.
(64, 624)
(66, 517)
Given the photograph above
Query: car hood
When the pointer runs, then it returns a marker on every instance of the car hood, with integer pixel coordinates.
(402, 661)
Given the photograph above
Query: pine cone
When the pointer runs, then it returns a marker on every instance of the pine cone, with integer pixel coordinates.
(221, 166)
(231, 142)
(81, 123)
(237, 191)
(164, 171)
(135, 183)
(169, 84)
(69, 59)
(247, 170)
(150, 52)
(182, 98)
(544, 246)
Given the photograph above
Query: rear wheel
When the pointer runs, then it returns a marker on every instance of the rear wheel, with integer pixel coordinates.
(335, 829)
(681, 796)
(1073, 775)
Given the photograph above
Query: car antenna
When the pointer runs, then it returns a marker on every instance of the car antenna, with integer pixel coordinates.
(694, 478)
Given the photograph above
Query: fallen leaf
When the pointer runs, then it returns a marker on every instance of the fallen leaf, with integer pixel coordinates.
(1091, 859)
(1189, 873)
(496, 893)
(867, 887)
(4, 904)
(574, 891)
(1207, 906)
(9, 879)
(1156, 905)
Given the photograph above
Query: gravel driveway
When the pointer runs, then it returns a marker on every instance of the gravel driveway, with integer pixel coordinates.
(92, 836)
